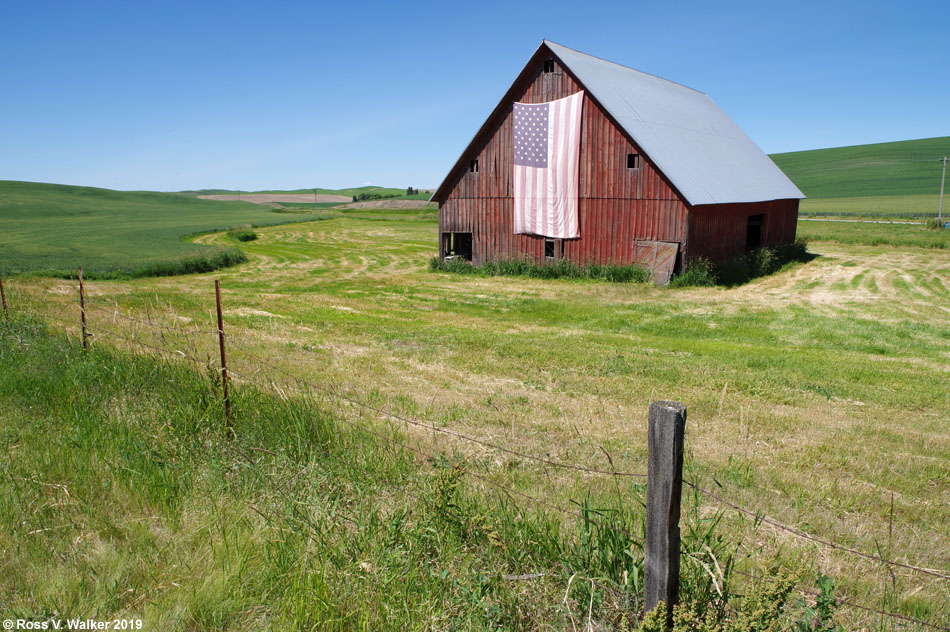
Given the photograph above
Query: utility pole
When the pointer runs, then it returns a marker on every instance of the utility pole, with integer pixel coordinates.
(943, 177)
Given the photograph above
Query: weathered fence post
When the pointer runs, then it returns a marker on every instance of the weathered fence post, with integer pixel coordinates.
(3, 298)
(82, 310)
(224, 362)
(664, 485)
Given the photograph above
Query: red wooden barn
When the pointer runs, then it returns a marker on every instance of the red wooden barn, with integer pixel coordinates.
(665, 176)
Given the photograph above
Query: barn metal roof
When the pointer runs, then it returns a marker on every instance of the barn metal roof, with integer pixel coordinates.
(703, 153)
(706, 156)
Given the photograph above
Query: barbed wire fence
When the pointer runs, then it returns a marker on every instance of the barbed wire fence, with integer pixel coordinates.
(175, 342)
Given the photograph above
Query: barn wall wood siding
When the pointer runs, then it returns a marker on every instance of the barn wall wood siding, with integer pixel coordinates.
(718, 231)
(617, 205)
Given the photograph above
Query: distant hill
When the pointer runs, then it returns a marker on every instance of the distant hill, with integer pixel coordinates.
(387, 192)
(910, 167)
(54, 228)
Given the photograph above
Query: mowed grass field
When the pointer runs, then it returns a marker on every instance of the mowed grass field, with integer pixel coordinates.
(816, 396)
(54, 229)
(873, 233)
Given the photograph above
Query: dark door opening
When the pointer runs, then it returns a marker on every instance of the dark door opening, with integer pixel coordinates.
(457, 245)
(753, 231)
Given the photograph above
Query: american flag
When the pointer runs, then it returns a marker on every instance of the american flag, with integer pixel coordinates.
(546, 146)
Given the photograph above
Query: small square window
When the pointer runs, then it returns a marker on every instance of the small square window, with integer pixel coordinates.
(473, 166)
(549, 248)
(633, 161)
(549, 65)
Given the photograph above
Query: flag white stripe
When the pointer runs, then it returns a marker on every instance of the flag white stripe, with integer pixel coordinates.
(571, 164)
(561, 172)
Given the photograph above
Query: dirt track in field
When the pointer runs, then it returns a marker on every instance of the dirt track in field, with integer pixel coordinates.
(265, 198)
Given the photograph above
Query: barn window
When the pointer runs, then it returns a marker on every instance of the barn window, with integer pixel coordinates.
(548, 248)
(457, 246)
(549, 65)
(633, 161)
(473, 166)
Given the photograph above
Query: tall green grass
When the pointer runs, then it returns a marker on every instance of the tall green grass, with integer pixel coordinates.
(562, 269)
(738, 270)
(121, 496)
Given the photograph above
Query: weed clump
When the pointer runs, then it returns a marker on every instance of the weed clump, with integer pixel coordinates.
(557, 270)
(738, 270)
(192, 263)
(242, 233)
(699, 274)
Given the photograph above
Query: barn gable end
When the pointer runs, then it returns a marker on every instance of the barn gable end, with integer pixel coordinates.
(626, 203)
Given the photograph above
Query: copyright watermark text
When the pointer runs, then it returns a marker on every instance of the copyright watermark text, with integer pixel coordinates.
(72, 624)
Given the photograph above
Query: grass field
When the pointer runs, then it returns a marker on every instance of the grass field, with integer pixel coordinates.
(872, 234)
(301, 522)
(893, 206)
(55, 229)
(909, 167)
(814, 395)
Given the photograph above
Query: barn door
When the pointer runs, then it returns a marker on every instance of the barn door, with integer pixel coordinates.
(659, 257)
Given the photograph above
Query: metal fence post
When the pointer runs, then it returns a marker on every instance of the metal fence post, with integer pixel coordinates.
(82, 310)
(664, 487)
(224, 362)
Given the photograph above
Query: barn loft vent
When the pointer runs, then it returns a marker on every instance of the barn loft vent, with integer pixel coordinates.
(548, 248)
(549, 65)
(633, 161)
(473, 166)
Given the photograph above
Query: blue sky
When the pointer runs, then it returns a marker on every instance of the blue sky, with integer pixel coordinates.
(182, 95)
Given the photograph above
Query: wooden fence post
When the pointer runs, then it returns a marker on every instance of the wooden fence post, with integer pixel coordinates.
(224, 362)
(82, 310)
(664, 486)
(3, 298)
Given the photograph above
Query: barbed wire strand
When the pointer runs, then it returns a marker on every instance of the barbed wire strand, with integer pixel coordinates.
(806, 536)
(155, 325)
(431, 457)
(445, 431)
(758, 515)
(487, 480)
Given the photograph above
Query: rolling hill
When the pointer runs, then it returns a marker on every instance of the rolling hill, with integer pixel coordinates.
(910, 167)
(883, 179)
(387, 192)
(54, 229)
